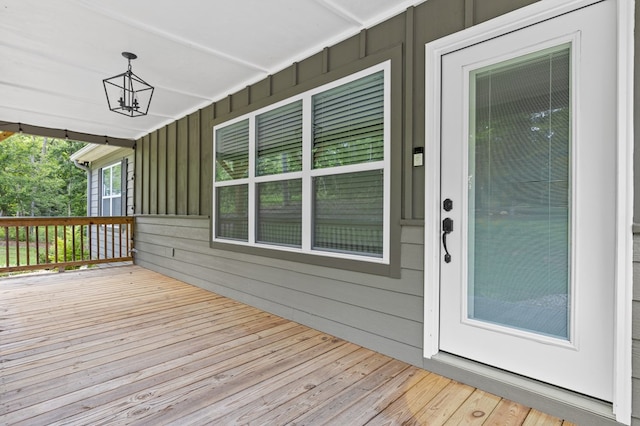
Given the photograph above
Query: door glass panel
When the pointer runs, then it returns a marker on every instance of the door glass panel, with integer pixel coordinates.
(519, 193)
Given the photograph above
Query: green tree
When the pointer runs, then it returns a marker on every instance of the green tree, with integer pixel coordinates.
(38, 179)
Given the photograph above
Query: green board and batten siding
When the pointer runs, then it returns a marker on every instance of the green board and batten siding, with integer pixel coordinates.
(382, 311)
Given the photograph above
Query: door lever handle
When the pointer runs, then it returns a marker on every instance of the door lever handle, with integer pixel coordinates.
(447, 228)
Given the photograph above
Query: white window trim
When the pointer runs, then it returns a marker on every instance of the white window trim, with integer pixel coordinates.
(308, 173)
(538, 12)
(111, 197)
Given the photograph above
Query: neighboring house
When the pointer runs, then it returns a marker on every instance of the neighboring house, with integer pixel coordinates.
(446, 188)
(110, 173)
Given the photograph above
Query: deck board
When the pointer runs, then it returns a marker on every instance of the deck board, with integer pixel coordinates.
(127, 345)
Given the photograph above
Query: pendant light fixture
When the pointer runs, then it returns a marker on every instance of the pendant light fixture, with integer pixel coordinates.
(128, 94)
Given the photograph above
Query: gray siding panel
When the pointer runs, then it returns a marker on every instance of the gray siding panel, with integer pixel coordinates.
(93, 211)
(175, 228)
(636, 330)
(636, 319)
(114, 158)
(636, 359)
(130, 185)
(636, 402)
(412, 256)
(636, 279)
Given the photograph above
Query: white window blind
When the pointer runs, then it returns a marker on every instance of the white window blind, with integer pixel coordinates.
(327, 197)
(232, 151)
(280, 212)
(233, 213)
(348, 212)
(279, 140)
(348, 123)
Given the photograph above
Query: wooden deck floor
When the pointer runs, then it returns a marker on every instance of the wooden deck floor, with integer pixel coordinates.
(130, 346)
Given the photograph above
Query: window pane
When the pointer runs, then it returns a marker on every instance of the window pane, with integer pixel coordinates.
(106, 182)
(280, 212)
(232, 151)
(116, 180)
(520, 192)
(279, 140)
(116, 206)
(106, 207)
(348, 123)
(348, 213)
(232, 214)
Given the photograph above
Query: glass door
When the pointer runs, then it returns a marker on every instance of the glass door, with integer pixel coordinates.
(527, 184)
(519, 193)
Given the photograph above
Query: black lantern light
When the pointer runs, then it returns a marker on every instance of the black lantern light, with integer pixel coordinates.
(128, 94)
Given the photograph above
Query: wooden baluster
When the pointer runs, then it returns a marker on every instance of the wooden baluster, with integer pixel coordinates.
(64, 245)
(37, 245)
(17, 246)
(98, 241)
(46, 243)
(55, 243)
(120, 232)
(82, 228)
(6, 244)
(73, 243)
(26, 236)
(113, 240)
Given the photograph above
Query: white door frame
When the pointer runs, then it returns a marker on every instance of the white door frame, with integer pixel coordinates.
(537, 12)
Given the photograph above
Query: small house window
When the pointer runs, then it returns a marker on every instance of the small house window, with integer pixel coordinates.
(111, 195)
(311, 173)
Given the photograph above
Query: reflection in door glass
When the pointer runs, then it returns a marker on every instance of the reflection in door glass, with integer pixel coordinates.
(519, 193)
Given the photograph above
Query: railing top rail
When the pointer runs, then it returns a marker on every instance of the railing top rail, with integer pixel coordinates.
(44, 221)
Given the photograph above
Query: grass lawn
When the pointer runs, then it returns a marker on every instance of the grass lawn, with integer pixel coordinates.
(13, 255)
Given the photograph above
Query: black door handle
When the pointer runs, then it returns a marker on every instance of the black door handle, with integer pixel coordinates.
(447, 228)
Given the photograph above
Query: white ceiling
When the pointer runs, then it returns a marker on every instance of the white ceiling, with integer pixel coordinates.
(55, 53)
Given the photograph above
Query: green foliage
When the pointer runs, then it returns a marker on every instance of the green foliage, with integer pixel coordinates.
(38, 179)
(66, 243)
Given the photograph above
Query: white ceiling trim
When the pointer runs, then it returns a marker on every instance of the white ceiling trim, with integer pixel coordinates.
(340, 11)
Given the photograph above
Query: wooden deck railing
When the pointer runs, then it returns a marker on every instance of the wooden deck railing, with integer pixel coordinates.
(30, 243)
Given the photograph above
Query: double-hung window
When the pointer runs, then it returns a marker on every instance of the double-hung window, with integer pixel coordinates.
(111, 195)
(309, 174)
